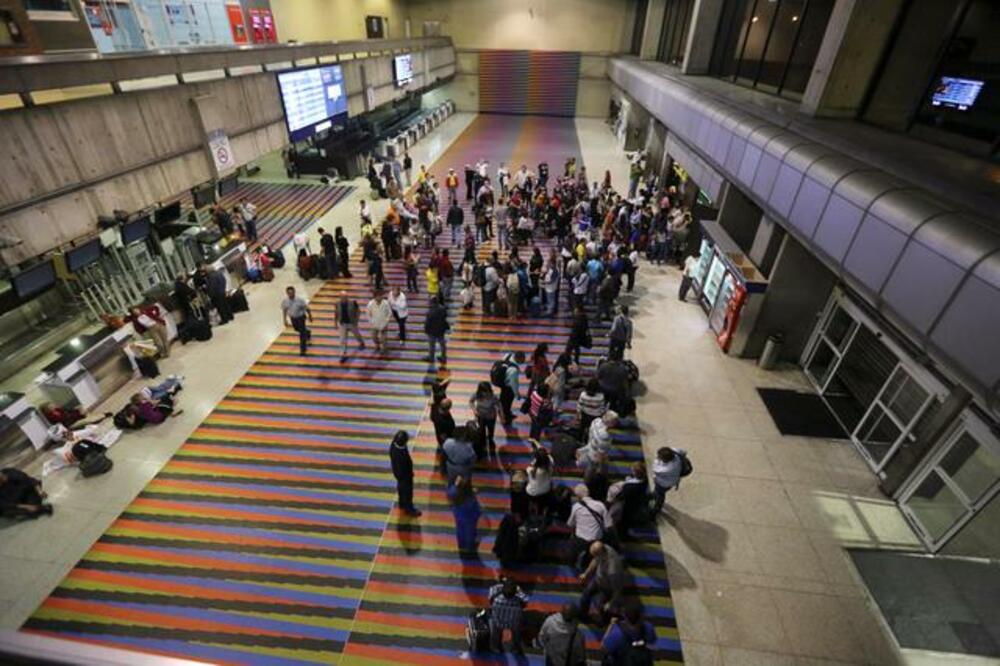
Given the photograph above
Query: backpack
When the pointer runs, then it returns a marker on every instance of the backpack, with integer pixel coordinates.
(498, 373)
(686, 466)
(95, 464)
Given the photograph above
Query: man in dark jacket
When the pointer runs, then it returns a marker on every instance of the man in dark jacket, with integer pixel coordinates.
(402, 469)
(455, 219)
(184, 295)
(216, 287)
(436, 326)
(329, 247)
(470, 182)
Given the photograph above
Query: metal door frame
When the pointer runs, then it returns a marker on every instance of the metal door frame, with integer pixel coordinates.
(969, 422)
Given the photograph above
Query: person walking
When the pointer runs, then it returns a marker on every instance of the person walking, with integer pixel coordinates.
(630, 639)
(456, 218)
(343, 251)
(687, 277)
(379, 316)
(667, 471)
(408, 168)
(400, 311)
(579, 335)
(561, 640)
(486, 407)
(295, 310)
(446, 276)
(459, 453)
(604, 581)
(451, 184)
(466, 510)
(507, 602)
(346, 317)
(510, 389)
(539, 410)
(402, 470)
(436, 327)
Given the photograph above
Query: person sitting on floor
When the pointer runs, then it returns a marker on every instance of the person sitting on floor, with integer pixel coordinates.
(21, 496)
(75, 443)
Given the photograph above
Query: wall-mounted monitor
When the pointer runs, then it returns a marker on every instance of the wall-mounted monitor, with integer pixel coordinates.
(402, 69)
(34, 280)
(312, 98)
(955, 93)
(83, 255)
(203, 195)
(167, 213)
(228, 185)
(136, 229)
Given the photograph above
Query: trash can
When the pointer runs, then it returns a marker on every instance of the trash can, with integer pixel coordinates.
(772, 348)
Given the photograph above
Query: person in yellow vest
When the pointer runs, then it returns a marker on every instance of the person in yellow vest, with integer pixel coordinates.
(451, 182)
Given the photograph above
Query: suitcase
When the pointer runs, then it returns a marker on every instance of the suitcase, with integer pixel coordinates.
(238, 301)
(322, 267)
(201, 331)
(477, 633)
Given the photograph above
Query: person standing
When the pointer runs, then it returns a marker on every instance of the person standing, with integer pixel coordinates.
(550, 286)
(620, 335)
(248, 211)
(216, 288)
(631, 636)
(184, 295)
(295, 310)
(604, 581)
(436, 326)
(491, 282)
(379, 316)
(148, 321)
(446, 276)
(507, 602)
(402, 469)
(343, 251)
(346, 318)
(579, 334)
(470, 182)
(400, 311)
(329, 248)
(486, 407)
(456, 217)
(590, 521)
(687, 277)
(451, 183)
(465, 507)
(408, 168)
(561, 640)
(511, 385)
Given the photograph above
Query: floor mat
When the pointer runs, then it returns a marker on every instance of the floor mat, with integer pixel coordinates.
(953, 609)
(801, 414)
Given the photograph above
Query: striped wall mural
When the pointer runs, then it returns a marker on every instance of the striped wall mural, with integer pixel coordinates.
(528, 82)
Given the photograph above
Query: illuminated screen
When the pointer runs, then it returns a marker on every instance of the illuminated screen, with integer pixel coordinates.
(311, 97)
(402, 65)
(955, 93)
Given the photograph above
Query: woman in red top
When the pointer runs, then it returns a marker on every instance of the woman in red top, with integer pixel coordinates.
(539, 368)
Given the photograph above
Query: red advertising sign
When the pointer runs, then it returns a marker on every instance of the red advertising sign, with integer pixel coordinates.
(236, 24)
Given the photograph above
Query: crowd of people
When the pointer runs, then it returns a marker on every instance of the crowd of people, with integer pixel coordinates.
(596, 240)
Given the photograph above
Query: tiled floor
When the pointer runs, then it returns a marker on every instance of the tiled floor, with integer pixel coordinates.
(754, 538)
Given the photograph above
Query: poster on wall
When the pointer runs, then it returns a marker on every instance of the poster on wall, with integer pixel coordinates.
(222, 152)
(236, 23)
(262, 29)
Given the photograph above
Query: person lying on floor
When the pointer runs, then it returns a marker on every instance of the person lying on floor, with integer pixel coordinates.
(151, 405)
(21, 496)
(68, 416)
(77, 444)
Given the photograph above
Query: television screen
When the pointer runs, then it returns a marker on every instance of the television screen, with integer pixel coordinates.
(311, 97)
(228, 185)
(203, 195)
(402, 67)
(83, 255)
(135, 230)
(34, 280)
(167, 213)
(956, 93)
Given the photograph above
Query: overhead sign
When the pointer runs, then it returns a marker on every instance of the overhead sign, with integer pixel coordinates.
(222, 152)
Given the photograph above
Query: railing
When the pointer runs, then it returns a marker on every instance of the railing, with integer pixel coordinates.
(23, 75)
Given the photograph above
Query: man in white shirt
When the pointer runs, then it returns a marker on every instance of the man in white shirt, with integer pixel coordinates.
(590, 521)
(379, 315)
(690, 265)
(248, 212)
(400, 311)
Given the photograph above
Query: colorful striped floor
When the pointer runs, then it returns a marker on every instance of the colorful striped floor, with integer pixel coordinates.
(272, 537)
(284, 209)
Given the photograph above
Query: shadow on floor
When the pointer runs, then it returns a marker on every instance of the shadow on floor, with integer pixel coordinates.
(706, 539)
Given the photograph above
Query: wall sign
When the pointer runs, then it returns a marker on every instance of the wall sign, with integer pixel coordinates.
(222, 152)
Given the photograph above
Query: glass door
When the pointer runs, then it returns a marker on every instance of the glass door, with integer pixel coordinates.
(959, 481)
(890, 420)
(835, 335)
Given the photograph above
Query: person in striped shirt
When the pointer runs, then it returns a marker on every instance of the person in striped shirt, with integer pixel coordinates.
(507, 602)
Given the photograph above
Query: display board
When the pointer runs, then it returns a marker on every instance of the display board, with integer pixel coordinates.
(313, 98)
(167, 213)
(34, 280)
(955, 93)
(135, 230)
(402, 69)
(84, 255)
(529, 82)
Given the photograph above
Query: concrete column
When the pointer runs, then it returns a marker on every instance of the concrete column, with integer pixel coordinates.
(766, 243)
(848, 57)
(651, 31)
(701, 38)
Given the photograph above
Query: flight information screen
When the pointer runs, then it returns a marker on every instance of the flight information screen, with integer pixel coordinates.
(956, 93)
(311, 97)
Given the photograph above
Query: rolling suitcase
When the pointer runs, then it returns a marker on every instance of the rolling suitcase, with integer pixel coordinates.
(477, 633)
(238, 301)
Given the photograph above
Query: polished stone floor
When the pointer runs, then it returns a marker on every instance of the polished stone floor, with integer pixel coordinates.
(754, 539)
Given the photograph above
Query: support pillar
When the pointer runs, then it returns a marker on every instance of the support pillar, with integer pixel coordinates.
(701, 38)
(653, 28)
(848, 57)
